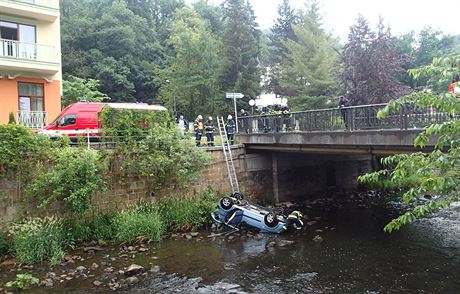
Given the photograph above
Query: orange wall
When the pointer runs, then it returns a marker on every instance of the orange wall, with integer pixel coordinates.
(9, 99)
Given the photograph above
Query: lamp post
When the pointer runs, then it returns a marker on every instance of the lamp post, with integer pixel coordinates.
(252, 102)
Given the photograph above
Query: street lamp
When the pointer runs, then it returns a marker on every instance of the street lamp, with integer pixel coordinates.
(252, 102)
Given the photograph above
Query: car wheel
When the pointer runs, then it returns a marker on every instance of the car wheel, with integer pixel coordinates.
(238, 196)
(271, 220)
(226, 203)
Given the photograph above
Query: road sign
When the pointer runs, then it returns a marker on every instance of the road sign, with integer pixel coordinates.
(234, 95)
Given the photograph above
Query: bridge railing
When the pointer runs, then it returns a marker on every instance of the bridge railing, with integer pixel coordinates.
(363, 117)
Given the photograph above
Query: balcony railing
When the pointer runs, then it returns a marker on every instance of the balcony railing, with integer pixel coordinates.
(32, 119)
(45, 3)
(26, 51)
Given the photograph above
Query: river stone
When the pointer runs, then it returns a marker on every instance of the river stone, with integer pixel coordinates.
(194, 234)
(134, 269)
(80, 268)
(311, 223)
(47, 283)
(155, 269)
(97, 283)
(94, 266)
(283, 243)
(132, 280)
(318, 238)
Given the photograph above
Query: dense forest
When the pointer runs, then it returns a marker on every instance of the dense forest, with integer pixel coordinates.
(161, 51)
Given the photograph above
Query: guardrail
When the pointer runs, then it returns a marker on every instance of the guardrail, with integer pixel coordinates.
(352, 118)
(29, 51)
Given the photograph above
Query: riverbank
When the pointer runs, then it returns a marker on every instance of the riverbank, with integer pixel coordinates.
(353, 255)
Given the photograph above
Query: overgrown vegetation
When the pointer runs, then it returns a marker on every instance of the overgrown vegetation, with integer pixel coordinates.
(39, 239)
(4, 246)
(436, 173)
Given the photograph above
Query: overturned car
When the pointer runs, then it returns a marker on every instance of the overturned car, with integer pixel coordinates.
(233, 211)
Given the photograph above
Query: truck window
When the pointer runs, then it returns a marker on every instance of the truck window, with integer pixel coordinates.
(69, 119)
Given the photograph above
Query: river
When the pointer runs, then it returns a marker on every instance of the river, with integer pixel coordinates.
(354, 256)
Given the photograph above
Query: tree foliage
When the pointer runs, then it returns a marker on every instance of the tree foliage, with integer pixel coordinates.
(77, 89)
(371, 68)
(306, 73)
(240, 50)
(438, 172)
(191, 74)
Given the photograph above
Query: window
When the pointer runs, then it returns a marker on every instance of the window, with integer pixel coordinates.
(18, 40)
(31, 97)
(69, 119)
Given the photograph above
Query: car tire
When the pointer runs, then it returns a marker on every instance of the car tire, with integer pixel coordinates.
(271, 220)
(226, 203)
(238, 196)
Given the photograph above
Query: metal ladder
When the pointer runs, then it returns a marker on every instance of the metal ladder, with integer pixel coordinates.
(226, 147)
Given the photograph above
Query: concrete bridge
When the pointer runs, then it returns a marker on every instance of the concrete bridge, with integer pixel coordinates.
(310, 152)
(351, 130)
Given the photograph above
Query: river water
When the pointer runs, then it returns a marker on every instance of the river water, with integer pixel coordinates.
(354, 256)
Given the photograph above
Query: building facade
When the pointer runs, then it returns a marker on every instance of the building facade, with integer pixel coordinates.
(30, 61)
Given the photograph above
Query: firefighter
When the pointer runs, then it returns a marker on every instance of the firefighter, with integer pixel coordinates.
(198, 130)
(454, 87)
(286, 117)
(230, 128)
(209, 129)
(294, 220)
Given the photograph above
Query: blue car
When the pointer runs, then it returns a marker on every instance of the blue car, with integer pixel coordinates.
(233, 211)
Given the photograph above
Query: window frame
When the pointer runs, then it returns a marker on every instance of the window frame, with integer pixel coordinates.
(32, 97)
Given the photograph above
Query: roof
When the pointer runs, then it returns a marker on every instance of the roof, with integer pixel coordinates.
(140, 106)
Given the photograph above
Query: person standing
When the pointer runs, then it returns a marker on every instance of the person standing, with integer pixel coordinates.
(198, 130)
(230, 127)
(343, 103)
(245, 121)
(182, 124)
(209, 129)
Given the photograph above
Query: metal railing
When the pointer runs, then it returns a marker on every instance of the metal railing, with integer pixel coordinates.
(45, 3)
(32, 119)
(28, 51)
(348, 118)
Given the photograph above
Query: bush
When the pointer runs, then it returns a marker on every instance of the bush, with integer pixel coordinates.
(75, 175)
(131, 224)
(20, 148)
(39, 239)
(99, 227)
(190, 213)
(11, 119)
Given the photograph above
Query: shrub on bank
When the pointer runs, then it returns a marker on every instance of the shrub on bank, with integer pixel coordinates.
(189, 213)
(39, 239)
(100, 227)
(131, 224)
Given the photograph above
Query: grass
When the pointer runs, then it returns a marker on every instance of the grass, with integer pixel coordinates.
(38, 239)
(131, 224)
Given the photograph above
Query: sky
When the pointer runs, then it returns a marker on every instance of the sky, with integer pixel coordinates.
(401, 15)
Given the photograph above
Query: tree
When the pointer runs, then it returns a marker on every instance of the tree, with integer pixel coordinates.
(281, 32)
(239, 71)
(77, 89)
(191, 74)
(436, 173)
(371, 66)
(107, 41)
(306, 73)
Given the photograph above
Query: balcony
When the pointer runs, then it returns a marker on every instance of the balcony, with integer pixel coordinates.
(29, 57)
(45, 10)
(32, 119)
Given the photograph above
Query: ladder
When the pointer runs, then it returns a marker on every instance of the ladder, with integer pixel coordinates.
(228, 155)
